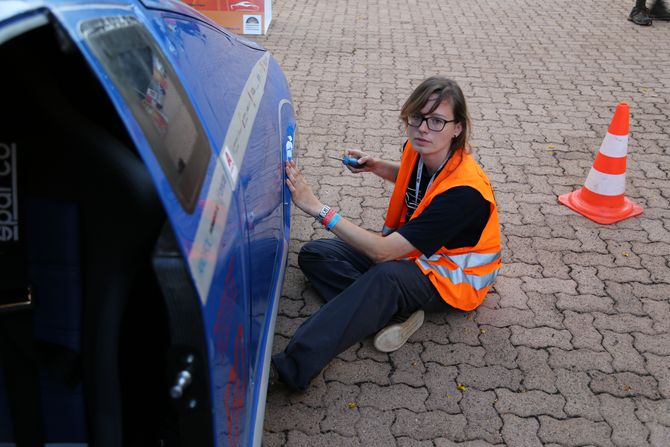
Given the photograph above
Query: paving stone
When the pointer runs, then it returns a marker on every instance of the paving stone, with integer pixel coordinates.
(356, 371)
(580, 360)
(483, 421)
(624, 384)
(549, 285)
(296, 417)
(659, 311)
(584, 303)
(364, 350)
(489, 377)
(580, 400)
(647, 410)
(544, 310)
(627, 430)
(442, 442)
(625, 356)
(499, 350)
(541, 337)
(655, 248)
(287, 326)
(530, 403)
(341, 408)
(655, 230)
(410, 442)
(299, 439)
(588, 259)
(505, 317)
(289, 307)
(584, 335)
(392, 397)
(510, 292)
(514, 270)
(434, 332)
(624, 323)
(429, 425)
(591, 241)
(492, 300)
(587, 280)
(623, 235)
(463, 328)
(521, 250)
(553, 265)
(659, 367)
(574, 432)
(657, 267)
(655, 344)
(520, 432)
(625, 300)
(271, 439)
(407, 365)
(453, 354)
(555, 243)
(312, 303)
(536, 371)
(442, 388)
(623, 274)
(374, 427)
(539, 113)
(659, 435)
(653, 291)
(624, 256)
(312, 396)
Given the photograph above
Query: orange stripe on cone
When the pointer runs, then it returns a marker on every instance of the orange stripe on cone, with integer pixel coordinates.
(610, 165)
(602, 199)
(621, 120)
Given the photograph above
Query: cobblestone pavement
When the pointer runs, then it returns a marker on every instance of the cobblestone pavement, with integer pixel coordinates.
(572, 347)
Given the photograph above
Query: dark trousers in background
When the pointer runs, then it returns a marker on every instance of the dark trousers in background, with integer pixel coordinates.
(361, 298)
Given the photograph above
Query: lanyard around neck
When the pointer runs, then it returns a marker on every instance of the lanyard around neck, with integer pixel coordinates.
(419, 173)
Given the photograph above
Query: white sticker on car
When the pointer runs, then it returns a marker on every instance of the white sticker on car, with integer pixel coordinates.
(239, 131)
(207, 243)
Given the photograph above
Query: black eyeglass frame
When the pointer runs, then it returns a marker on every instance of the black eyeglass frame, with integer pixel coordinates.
(426, 118)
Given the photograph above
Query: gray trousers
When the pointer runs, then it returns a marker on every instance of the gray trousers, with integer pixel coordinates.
(361, 298)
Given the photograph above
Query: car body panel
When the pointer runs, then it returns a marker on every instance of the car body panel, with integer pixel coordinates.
(235, 236)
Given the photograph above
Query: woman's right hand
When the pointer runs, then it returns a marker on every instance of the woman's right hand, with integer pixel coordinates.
(366, 162)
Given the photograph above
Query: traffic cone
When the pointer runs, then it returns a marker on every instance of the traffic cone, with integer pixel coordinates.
(602, 197)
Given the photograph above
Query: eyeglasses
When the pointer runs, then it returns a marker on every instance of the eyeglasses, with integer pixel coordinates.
(434, 123)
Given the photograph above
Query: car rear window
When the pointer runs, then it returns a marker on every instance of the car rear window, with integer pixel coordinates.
(156, 98)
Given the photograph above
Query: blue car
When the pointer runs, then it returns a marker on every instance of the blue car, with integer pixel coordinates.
(144, 225)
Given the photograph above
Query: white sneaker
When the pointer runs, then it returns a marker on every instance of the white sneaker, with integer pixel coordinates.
(392, 337)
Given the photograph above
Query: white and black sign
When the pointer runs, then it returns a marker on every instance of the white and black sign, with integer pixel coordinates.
(9, 207)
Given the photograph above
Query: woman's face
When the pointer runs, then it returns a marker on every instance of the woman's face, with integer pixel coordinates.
(428, 142)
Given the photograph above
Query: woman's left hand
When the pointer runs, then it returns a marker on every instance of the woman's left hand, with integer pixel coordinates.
(302, 194)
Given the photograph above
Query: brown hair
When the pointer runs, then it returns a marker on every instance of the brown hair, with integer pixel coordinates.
(445, 89)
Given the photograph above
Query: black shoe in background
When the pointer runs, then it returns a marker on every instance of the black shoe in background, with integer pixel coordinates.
(659, 11)
(640, 16)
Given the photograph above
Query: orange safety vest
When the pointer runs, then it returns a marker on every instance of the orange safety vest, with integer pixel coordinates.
(464, 275)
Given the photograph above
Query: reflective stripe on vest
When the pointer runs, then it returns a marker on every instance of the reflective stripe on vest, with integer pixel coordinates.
(458, 276)
(468, 260)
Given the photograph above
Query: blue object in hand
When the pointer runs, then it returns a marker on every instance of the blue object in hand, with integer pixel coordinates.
(347, 160)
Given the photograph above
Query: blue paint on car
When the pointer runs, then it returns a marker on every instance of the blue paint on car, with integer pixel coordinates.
(210, 116)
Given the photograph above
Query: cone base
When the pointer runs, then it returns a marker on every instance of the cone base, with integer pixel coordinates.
(600, 214)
